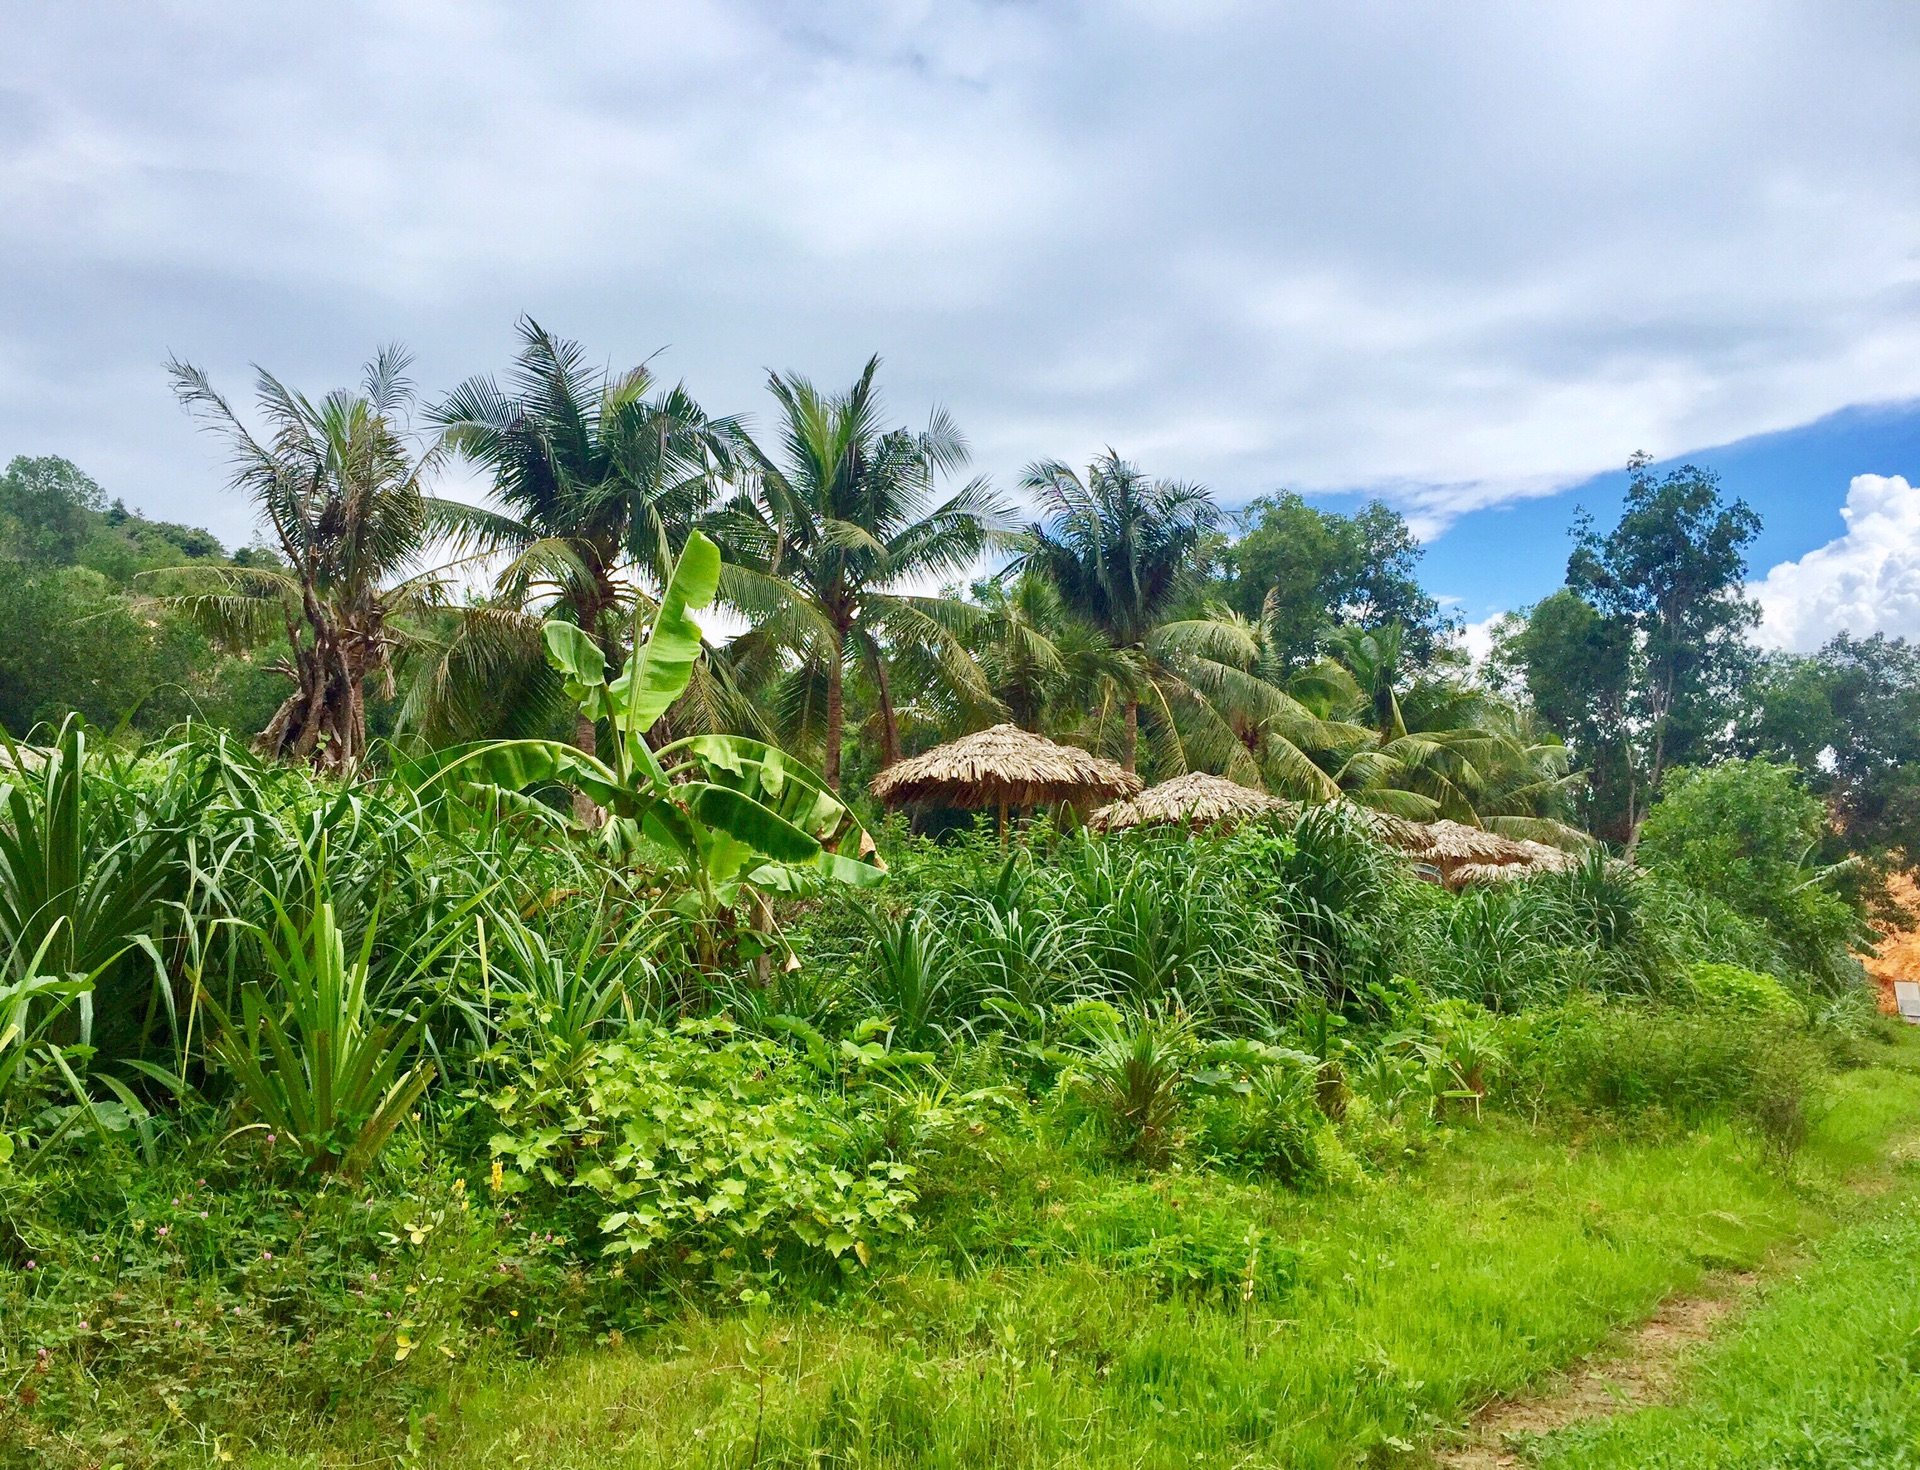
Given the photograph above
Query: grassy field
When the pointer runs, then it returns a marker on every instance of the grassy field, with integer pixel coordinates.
(1108, 1320)
(1824, 1374)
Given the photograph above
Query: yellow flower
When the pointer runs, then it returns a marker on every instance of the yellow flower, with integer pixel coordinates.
(497, 1180)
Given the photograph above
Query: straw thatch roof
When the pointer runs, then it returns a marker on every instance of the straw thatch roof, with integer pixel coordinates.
(1533, 858)
(1195, 799)
(1394, 831)
(1465, 854)
(1004, 766)
(1549, 859)
(1451, 843)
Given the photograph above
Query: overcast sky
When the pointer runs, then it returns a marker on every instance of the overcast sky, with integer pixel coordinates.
(1456, 254)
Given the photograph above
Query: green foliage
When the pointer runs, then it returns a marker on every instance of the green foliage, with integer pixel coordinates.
(1673, 569)
(1308, 569)
(314, 1062)
(1848, 717)
(1630, 1060)
(727, 811)
(1130, 1073)
(701, 1154)
(1264, 1117)
(1746, 831)
(1731, 987)
(90, 874)
(1576, 664)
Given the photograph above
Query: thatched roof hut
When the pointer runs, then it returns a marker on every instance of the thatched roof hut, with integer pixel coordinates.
(1463, 854)
(1003, 767)
(1193, 800)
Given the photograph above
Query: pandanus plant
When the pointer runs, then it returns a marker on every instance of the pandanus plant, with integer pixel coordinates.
(726, 814)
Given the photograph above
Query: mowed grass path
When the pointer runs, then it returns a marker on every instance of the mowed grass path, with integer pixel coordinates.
(1404, 1304)
(1823, 1374)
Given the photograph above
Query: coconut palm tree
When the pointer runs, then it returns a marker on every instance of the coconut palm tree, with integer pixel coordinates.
(599, 478)
(1120, 548)
(825, 540)
(1045, 667)
(1440, 747)
(343, 497)
(1118, 545)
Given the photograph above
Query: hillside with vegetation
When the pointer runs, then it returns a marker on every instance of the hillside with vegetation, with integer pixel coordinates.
(457, 1008)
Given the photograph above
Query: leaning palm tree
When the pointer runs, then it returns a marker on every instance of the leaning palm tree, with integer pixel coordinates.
(342, 496)
(825, 541)
(1440, 747)
(598, 479)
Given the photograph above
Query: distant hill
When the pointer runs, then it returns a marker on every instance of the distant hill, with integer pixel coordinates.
(52, 513)
(80, 629)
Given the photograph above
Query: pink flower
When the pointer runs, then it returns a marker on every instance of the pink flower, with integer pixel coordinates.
(203, 1214)
(266, 1255)
(85, 1326)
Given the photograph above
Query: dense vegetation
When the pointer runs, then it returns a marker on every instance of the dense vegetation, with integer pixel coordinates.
(528, 977)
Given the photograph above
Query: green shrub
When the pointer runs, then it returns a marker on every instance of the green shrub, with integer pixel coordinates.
(1746, 832)
(699, 1153)
(1731, 988)
(1635, 1060)
(1271, 1126)
(1131, 1074)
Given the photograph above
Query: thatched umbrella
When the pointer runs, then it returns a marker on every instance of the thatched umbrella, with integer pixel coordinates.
(1000, 768)
(1194, 800)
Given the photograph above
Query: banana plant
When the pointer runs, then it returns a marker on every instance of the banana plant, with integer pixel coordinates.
(726, 812)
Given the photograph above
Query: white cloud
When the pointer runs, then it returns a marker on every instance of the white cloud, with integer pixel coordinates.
(1455, 254)
(1863, 582)
(1477, 638)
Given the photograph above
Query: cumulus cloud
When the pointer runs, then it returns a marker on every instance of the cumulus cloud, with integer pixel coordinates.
(1451, 254)
(1863, 582)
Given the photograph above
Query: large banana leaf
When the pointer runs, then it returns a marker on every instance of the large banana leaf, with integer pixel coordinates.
(658, 672)
(769, 775)
(515, 765)
(579, 658)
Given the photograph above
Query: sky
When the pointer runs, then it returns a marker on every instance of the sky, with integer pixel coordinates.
(1465, 258)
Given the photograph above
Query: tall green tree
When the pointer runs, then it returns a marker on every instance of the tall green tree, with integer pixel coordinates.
(1124, 552)
(1848, 717)
(1674, 569)
(1308, 571)
(44, 509)
(1441, 747)
(1120, 546)
(1046, 667)
(827, 535)
(1576, 667)
(342, 496)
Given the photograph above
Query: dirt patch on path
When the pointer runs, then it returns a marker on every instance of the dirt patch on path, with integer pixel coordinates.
(1646, 1373)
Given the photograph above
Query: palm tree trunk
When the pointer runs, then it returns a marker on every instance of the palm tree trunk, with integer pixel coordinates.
(1130, 738)
(889, 721)
(586, 736)
(836, 716)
